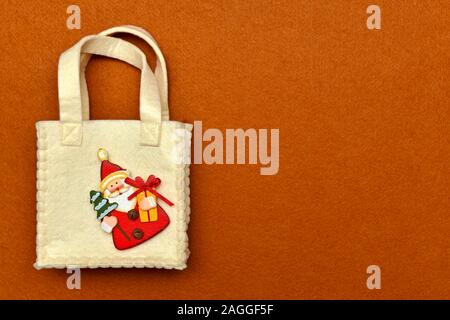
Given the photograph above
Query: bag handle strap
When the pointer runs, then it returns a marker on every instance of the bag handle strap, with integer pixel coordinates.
(69, 87)
(160, 68)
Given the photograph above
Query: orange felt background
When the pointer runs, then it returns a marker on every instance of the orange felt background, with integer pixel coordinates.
(364, 144)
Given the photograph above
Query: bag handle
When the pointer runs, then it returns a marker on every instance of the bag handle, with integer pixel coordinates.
(160, 68)
(69, 87)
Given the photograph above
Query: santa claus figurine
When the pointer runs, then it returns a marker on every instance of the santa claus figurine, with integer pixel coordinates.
(122, 220)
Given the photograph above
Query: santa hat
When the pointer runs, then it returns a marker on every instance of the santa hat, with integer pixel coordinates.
(109, 171)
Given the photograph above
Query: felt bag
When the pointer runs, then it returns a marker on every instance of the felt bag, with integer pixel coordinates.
(97, 178)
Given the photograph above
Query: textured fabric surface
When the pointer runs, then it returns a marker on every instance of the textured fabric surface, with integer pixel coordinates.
(68, 233)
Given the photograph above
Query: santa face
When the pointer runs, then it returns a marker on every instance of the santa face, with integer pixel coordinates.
(118, 191)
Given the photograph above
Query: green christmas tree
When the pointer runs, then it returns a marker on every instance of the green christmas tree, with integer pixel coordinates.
(101, 205)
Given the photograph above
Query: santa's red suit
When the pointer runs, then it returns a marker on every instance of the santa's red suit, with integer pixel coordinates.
(129, 231)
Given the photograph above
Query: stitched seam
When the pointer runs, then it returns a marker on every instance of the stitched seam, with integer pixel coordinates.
(41, 194)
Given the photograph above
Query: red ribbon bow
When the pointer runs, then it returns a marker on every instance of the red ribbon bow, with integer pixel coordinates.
(149, 185)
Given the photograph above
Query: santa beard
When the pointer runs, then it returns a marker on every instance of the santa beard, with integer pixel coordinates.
(123, 204)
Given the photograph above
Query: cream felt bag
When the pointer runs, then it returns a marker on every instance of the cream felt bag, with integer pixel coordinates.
(112, 193)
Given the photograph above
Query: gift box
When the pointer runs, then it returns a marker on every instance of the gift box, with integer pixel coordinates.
(147, 215)
(145, 190)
